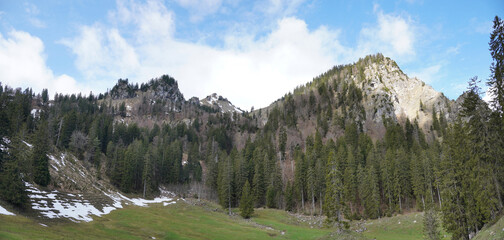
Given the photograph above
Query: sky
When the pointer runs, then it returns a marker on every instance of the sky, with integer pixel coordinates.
(251, 52)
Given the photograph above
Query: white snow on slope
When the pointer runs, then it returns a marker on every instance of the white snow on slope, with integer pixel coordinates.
(5, 212)
(76, 208)
(118, 198)
(27, 144)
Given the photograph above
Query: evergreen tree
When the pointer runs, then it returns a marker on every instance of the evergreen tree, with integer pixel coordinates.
(246, 202)
(496, 81)
(454, 184)
(270, 197)
(226, 183)
(333, 203)
(41, 174)
(300, 177)
(369, 191)
(12, 188)
(289, 197)
(350, 184)
(259, 190)
(430, 225)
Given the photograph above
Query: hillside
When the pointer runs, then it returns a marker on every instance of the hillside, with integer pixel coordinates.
(361, 141)
(367, 92)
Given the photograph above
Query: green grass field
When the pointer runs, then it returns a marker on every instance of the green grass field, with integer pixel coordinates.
(185, 221)
(494, 232)
(408, 226)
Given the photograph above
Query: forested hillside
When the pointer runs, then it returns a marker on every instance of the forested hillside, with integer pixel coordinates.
(351, 144)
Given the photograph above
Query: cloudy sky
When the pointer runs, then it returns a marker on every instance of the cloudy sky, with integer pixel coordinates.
(251, 52)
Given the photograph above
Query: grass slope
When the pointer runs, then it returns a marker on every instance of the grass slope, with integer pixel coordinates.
(408, 226)
(494, 232)
(176, 221)
(185, 221)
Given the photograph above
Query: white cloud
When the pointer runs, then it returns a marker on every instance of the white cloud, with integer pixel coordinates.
(253, 72)
(279, 7)
(33, 11)
(394, 36)
(37, 23)
(102, 52)
(199, 9)
(454, 49)
(428, 74)
(138, 43)
(22, 64)
(488, 97)
(481, 27)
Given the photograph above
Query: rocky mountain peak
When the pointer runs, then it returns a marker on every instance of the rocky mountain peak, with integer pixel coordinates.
(410, 97)
(163, 88)
(123, 90)
(219, 103)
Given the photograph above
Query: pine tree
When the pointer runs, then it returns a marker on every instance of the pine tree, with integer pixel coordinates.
(270, 197)
(418, 180)
(311, 182)
(246, 202)
(289, 197)
(226, 183)
(258, 185)
(282, 142)
(496, 81)
(369, 191)
(41, 174)
(453, 163)
(333, 202)
(300, 177)
(350, 183)
(148, 181)
(430, 225)
(12, 188)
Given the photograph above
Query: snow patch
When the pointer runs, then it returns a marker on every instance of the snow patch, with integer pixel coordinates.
(118, 197)
(77, 208)
(4, 148)
(5, 212)
(27, 144)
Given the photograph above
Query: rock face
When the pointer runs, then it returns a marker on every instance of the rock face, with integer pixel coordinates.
(219, 103)
(397, 96)
(163, 88)
(122, 90)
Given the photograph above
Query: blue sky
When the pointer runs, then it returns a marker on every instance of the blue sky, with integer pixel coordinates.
(251, 52)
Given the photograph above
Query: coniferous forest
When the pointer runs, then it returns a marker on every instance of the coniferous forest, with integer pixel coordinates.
(454, 170)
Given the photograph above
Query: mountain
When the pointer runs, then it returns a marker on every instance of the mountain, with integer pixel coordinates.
(364, 133)
(368, 92)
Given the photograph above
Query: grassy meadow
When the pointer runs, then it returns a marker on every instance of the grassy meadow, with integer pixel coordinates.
(204, 221)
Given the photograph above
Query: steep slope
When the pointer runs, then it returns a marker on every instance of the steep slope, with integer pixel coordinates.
(411, 98)
(367, 92)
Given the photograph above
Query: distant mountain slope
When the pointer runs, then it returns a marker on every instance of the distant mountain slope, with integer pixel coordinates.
(367, 92)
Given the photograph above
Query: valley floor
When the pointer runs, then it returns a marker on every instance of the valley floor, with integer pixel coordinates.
(206, 220)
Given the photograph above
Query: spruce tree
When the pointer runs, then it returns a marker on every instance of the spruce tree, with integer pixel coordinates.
(270, 197)
(41, 174)
(455, 157)
(246, 202)
(289, 197)
(333, 202)
(350, 183)
(12, 188)
(496, 81)
(430, 225)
